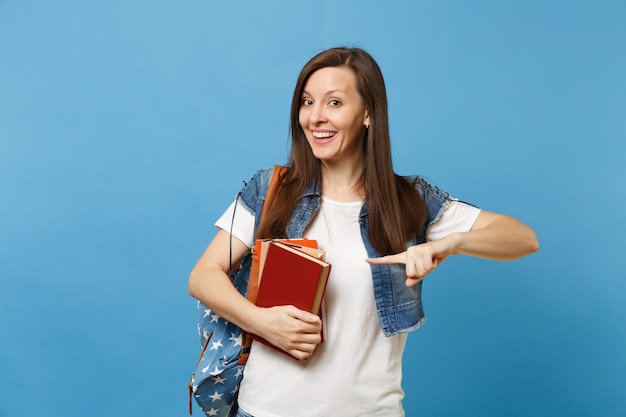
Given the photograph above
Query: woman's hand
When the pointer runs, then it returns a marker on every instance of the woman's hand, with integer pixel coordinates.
(493, 236)
(293, 330)
(420, 260)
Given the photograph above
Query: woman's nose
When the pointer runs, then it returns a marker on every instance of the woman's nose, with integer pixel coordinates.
(317, 114)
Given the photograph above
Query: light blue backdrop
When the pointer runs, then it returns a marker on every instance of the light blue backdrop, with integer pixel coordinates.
(126, 127)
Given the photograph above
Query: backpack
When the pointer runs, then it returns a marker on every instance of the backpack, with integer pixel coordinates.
(225, 346)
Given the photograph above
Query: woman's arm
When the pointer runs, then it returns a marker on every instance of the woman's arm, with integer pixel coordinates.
(209, 281)
(493, 236)
(293, 330)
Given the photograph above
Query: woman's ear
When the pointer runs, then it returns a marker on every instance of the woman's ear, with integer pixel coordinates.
(366, 121)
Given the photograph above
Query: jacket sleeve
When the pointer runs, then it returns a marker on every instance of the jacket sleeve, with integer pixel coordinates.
(436, 199)
(252, 196)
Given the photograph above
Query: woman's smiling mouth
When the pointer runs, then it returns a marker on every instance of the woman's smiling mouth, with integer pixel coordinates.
(323, 137)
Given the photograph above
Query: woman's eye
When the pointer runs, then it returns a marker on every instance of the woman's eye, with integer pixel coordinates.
(307, 102)
(335, 103)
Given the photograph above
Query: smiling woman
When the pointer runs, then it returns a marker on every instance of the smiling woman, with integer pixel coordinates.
(382, 234)
(334, 120)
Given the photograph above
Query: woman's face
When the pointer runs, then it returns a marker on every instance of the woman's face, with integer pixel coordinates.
(332, 115)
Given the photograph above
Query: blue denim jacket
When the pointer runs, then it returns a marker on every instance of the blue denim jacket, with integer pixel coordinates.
(399, 307)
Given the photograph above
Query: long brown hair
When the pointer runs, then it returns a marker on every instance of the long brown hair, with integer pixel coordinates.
(396, 210)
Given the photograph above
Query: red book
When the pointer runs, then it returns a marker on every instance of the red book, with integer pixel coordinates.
(291, 277)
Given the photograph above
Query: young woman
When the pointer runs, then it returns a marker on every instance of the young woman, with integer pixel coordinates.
(382, 234)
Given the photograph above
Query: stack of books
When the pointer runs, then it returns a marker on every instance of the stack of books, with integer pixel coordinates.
(291, 274)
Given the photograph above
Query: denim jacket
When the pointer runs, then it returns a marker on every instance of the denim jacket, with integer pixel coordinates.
(399, 307)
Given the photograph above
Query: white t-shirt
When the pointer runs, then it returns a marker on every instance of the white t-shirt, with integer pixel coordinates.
(357, 371)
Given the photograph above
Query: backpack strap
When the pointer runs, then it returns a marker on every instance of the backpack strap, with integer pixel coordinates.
(253, 281)
(193, 374)
(272, 189)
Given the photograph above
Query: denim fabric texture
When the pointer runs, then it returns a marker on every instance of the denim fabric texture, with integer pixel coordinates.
(399, 307)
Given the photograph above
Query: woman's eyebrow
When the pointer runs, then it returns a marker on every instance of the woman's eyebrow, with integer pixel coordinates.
(328, 93)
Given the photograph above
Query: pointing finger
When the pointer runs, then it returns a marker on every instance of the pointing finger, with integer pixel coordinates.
(398, 258)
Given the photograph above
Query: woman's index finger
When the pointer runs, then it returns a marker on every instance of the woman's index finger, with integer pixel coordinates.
(398, 258)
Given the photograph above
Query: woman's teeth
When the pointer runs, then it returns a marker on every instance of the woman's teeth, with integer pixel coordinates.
(323, 135)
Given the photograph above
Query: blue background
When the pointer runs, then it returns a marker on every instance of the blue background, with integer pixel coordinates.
(126, 127)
